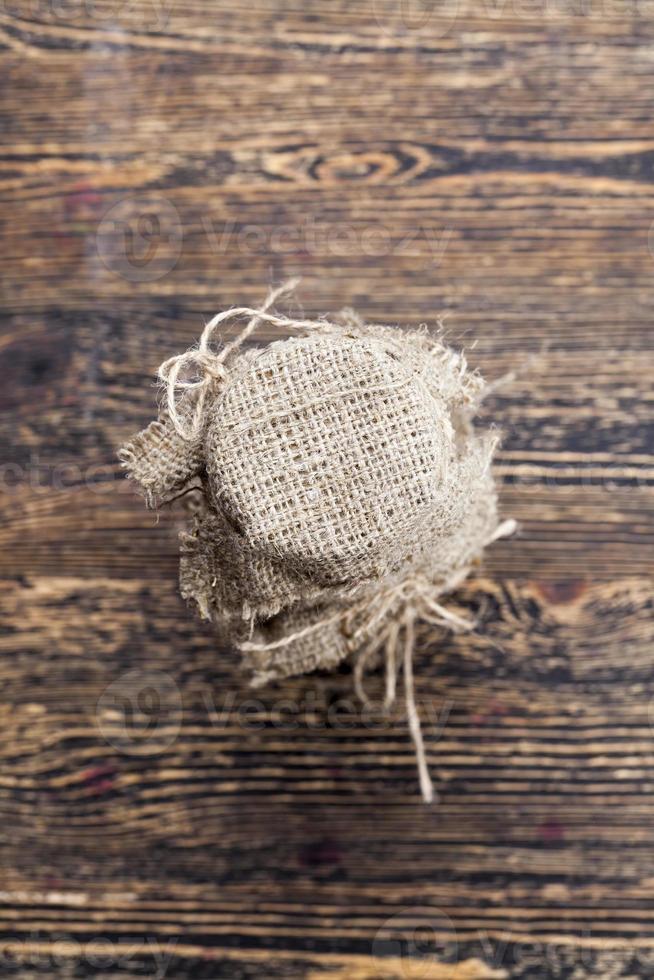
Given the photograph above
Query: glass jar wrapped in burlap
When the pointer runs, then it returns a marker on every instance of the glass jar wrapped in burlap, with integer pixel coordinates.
(343, 489)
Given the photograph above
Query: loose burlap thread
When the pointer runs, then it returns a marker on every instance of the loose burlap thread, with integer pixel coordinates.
(341, 490)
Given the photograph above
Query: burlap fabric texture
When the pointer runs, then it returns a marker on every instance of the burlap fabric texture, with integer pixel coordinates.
(341, 490)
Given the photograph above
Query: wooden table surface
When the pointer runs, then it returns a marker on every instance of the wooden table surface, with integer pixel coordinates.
(487, 163)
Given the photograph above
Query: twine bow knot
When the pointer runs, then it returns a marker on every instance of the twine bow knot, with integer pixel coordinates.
(189, 378)
(212, 366)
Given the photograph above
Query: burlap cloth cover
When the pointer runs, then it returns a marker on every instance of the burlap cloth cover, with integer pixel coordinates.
(341, 490)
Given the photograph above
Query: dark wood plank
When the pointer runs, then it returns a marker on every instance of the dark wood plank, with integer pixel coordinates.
(233, 820)
(485, 164)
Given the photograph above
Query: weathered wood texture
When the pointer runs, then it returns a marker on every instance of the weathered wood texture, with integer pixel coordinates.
(489, 163)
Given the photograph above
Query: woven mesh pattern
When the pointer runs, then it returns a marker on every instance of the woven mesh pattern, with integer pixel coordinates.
(320, 648)
(160, 461)
(343, 490)
(333, 467)
(220, 571)
(330, 453)
(444, 561)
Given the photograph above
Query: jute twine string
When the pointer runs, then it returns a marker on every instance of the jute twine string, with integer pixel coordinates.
(210, 364)
(198, 436)
(382, 626)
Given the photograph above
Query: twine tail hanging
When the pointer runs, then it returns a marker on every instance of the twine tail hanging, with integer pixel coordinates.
(413, 718)
(423, 606)
(398, 638)
(387, 621)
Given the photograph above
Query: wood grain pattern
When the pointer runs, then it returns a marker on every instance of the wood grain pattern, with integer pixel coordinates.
(484, 163)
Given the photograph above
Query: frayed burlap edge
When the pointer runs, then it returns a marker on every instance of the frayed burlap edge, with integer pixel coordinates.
(167, 456)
